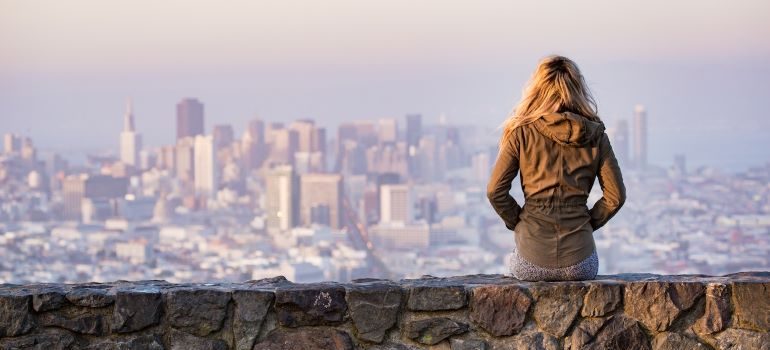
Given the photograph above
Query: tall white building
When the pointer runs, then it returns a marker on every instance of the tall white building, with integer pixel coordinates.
(205, 164)
(640, 137)
(396, 202)
(130, 141)
(282, 198)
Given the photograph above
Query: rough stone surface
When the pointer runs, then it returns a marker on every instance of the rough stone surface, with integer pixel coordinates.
(675, 341)
(740, 339)
(528, 341)
(306, 339)
(14, 315)
(499, 310)
(144, 342)
(627, 312)
(433, 330)
(601, 299)
(251, 307)
(620, 332)
(752, 305)
(196, 311)
(310, 305)
(436, 295)
(717, 313)
(584, 333)
(179, 340)
(53, 339)
(135, 310)
(557, 306)
(50, 299)
(658, 304)
(90, 296)
(467, 344)
(83, 324)
(374, 309)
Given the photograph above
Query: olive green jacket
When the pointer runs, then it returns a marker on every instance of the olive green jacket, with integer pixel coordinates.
(559, 156)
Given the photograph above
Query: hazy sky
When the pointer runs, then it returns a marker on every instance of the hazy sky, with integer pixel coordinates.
(702, 68)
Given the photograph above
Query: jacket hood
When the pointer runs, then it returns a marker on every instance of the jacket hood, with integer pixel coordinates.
(569, 129)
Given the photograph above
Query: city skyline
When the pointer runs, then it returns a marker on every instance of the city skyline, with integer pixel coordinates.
(71, 64)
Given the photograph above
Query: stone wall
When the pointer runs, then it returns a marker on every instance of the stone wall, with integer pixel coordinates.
(470, 312)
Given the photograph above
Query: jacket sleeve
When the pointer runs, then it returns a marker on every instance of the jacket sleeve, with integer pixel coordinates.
(611, 182)
(503, 173)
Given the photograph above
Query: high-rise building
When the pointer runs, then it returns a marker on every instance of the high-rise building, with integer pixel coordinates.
(387, 130)
(413, 136)
(130, 140)
(640, 137)
(189, 118)
(223, 134)
(620, 142)
(11, 143)
(396, 204)
(321, 199)
(184, 166)
(281, 202)
(206, 168)
(97, 188)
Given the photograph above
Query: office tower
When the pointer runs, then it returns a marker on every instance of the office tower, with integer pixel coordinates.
(413, 136)
(321, 200)
(396, 204)
(640, 137)
(130, 140)
(11, 143)
(99, 189)
(620, 142)
(28, 150)
(189, 118)
(184, 167)
(480, 163)
(281, 202)
(206, 168)
(285, 144)
(223, 134)
(388, 130)
(304, 129)
(680, 164)
(253, 146)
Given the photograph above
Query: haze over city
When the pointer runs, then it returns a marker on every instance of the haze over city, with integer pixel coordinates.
(700, 68)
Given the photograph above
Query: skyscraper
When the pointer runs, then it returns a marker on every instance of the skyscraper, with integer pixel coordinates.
(396, 204)
(620, 142)
(223, 134)
(205, 164)
(130, 141)
(640, 137)
(189, 118)
(321, 199)
(413, 136)
(387, 130)
(281, 202)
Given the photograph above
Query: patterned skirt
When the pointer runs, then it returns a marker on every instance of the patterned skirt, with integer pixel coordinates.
(526, 271)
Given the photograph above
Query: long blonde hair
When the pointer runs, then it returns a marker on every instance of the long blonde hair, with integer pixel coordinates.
(556, 86)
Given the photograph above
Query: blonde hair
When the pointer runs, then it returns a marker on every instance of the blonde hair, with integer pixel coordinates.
(556, 86)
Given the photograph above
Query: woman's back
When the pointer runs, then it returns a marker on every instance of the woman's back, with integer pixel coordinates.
(557, 141)
(559, 156)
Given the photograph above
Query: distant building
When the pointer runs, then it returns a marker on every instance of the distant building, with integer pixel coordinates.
(11, 143)
(223, 135)
(388, 130)
(396, 204)
(620, 142)
(97, 188)
(130, 140)
(480, 164)
(321, 200)
(189, 118)
(282, 198)
(206, 167)
(640, 137)
(184, 167)
(413, 136)
(401, 236)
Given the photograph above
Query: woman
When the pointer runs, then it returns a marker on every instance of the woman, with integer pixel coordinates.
(557, 141)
